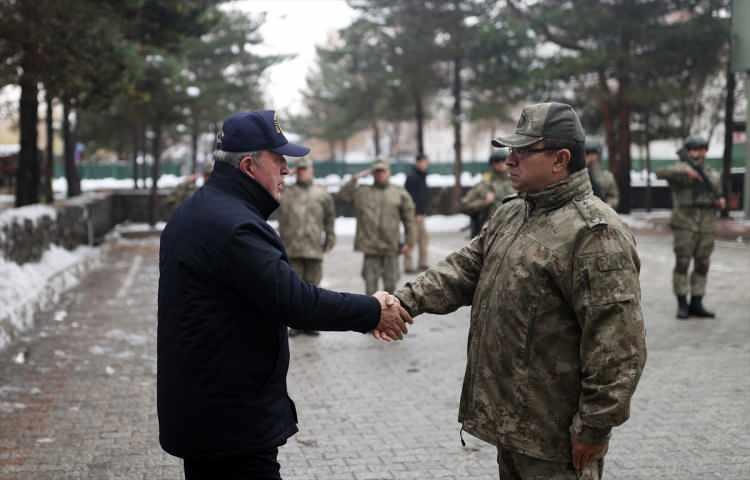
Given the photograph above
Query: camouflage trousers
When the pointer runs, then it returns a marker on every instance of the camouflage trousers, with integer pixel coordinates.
(309, 269)
(695, 246)
(516, 466)
(376, 267)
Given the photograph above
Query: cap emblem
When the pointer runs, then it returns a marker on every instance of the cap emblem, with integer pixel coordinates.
(276, 123)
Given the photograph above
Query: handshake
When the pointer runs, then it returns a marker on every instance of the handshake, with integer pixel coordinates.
(393, 318)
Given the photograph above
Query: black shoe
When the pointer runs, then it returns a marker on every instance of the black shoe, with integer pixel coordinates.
(422, 268)
(409, 270)
(682, 307)
(696, 308)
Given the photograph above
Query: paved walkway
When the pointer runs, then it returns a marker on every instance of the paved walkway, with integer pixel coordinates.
(82, 403)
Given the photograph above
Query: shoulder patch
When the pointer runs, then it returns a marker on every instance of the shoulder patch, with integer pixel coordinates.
(509, 198)
(590, 213)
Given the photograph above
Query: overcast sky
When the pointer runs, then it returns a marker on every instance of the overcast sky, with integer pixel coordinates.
(294, 27)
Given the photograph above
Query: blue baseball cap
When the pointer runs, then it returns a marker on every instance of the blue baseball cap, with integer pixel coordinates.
(254, 131)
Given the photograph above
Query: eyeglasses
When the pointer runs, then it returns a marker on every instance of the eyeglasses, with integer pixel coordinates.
(525, 152)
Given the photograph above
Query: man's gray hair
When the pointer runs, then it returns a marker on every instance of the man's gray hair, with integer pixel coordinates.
(234, 158)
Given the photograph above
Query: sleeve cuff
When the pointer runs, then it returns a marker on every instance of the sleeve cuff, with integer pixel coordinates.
(588, 434)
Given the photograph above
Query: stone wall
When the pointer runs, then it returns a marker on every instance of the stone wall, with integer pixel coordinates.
(27, 232)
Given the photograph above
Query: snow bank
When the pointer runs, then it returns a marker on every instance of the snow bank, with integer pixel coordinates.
(60, 185)
(24, 289)
(347, 226)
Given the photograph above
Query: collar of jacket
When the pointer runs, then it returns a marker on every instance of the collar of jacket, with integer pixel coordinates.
(576, 185)
(230, 180)
(381, 186)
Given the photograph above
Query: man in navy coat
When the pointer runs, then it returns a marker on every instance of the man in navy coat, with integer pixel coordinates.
(226, 297)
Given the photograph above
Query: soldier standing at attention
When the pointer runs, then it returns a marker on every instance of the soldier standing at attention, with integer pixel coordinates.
(602, 181)
(482, 200)
(696, 197)
(556, 339)
(416, 185)
(380, 209)
(306, 219)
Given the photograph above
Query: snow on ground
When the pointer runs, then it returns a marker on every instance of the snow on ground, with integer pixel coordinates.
(60, 185)
(346, 226)
(26, 288)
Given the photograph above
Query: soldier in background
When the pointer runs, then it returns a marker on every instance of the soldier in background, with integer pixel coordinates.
(188, 186)
(306, 220)
(696, 199)
(556, 340)
(416, 185)
(380, 209)
(602, 181)
(482, 200)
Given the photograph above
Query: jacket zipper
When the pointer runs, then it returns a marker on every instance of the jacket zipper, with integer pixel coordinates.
(484, 324)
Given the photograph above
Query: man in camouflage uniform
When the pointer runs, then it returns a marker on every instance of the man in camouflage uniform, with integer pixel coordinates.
(602, 181)
(556, 340)
(380, 209)
(482, 200)
(696, 197)
(306, 220)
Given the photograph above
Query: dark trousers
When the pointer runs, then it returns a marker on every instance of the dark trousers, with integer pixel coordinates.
(261, 465)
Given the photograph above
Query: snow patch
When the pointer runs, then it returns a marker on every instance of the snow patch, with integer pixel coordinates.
(31, 286)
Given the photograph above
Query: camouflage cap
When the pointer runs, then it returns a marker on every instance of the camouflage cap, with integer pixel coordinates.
(593, 146)
(544, 121)
(694, 142)
(380, 164)
(304, 162)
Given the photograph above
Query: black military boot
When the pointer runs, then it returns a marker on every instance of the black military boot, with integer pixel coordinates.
(682, 306)
(696, 308)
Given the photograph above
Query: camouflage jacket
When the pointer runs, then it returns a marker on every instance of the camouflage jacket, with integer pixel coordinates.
(607, 185)
(380, 211)
(693, 203)
(556, 339)
(180, 193)
(474, 200)
(306, 218)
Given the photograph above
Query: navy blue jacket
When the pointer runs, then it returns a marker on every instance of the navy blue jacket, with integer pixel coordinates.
(226, 297)
(416, 185)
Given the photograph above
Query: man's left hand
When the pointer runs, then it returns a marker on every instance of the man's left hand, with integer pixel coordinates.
(585, 453)
(405, 249)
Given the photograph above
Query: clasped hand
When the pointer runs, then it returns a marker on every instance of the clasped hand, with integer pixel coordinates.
(393, 318)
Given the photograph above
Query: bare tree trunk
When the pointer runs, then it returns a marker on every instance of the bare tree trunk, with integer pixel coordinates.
(144, 151)
(134, 160)
(153, 203)
(457, 140)
(194, 146)
(27, 175)
(344, 148)
(71, 169)
(376, 137)
(49, 164)
(726, 171)
(419, 117)
(332, 150)
(647, 132)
